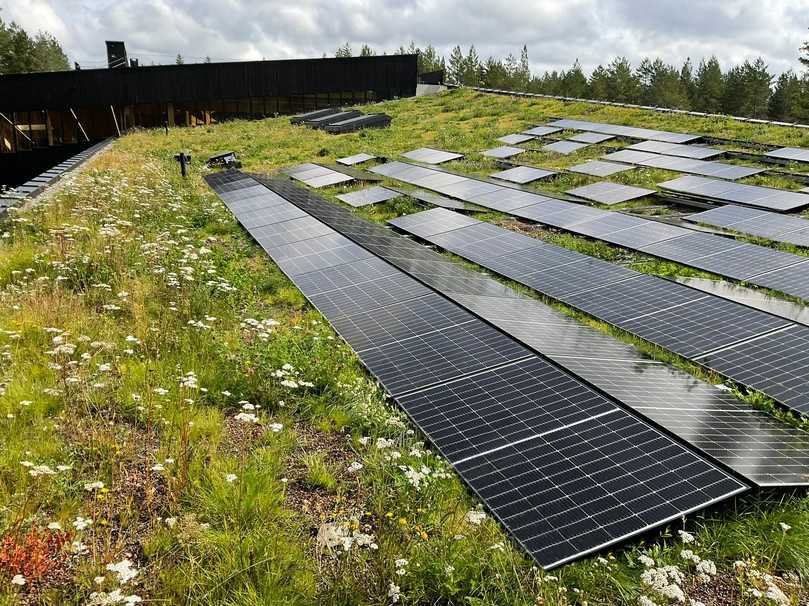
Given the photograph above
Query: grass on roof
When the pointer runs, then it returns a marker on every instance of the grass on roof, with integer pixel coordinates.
(178, 425)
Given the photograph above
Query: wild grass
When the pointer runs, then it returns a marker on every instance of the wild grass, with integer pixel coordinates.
(179, 426)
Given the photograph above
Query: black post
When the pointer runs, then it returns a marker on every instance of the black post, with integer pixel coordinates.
(183, 159)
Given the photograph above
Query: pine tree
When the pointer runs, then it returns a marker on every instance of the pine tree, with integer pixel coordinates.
(179, 60)
(734, 93)
(472, 68)
(785, 102)
(495, 74)
(623, 84)
(522, 73)
(804, 58)
(456, 66)
(600, 83)
(687, 82)
(660, 84)
(574, 82)
(709, 87)
(343, 51)
(366, 51)
(757, 81)
(430, 60)
(20, 53)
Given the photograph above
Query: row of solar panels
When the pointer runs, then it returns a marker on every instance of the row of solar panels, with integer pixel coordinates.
(698, 249)
(564, 468)
(772, 226)
(753, 444)
(789, 154)
(337, 120)
(37, 184)
(751, 263)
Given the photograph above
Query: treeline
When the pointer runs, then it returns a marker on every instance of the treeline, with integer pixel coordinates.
(749, 89)
(21, 52)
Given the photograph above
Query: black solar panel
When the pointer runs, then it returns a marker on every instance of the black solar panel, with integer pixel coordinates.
(625, 131)
(792, 154)
(431, 156)
(793, 280)
(515, 139)
(737, 193)
(371, 195)
(564, 147)
(523, 174)
(588, 137)
(774, 364)
(599, 168)
(608, 489)
(674, 149)
(504, 151)
(609, 193)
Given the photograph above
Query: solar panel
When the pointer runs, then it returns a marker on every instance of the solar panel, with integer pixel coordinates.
(771, 452)
(792, 154)
(430, 222)
(431, 156)
(637, 468)
(625, 131)
(515, 139)
(523, 174)
(695, 152)
(747, 260)
(749, 195)
(504, 151)
(371, 195)
(355, 159)
(804, 190)
(598, 168)
(775, 364)
(755, 222)
(541, 131)
(605, 192)
(588, 137)
(437, 200)
(666, 241)
(793, 280)
(608, 493)
(564, 147)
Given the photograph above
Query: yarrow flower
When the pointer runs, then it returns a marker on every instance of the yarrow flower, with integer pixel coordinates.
(124, 569)
(475, 517)
(231, 477)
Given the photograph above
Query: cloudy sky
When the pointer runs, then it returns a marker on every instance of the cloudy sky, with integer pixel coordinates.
(556, 31)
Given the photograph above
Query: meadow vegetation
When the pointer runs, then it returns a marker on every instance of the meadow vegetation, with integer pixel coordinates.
(178, 425)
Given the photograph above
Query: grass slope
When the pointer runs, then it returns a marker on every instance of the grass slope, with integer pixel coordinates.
(178, 426)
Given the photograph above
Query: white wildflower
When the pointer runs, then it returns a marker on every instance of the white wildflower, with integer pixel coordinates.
(355, 467)
(81, 523)
(231, 477)
(394, 593)
(475, 517)
(124, 569)
(90, 486)
(18, 579)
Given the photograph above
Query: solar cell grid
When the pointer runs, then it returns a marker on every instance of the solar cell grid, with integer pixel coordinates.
(381, 325)
(605, 192)
(751, 195)
(579, 277)
(695, 152)
(793, 280)
(366, 295)
(625, 131)
(440, 356)
(588, 137)
(541, 131)
(523, 174)
(746, 261)
(515, 139)
(504, 151)
(605, 493)
(691, 246)
(564, 147)
(434, 221)
(599, 168)
(499, 406)
(355, 159)
(793, 154)
(431, 156)
(774, 364)
(371, 195)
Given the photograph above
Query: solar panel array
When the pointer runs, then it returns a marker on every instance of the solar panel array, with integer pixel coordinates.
(737, 193)
(792, 154)
(564, 468)
(315, 175)
(705, 168)
(626, 131)
(760, 448)
(754, 264)
(694, 152)
(523, 174)
(773, 226)
(431, 156)
(681, 319)
(609, 193)
(370, 195)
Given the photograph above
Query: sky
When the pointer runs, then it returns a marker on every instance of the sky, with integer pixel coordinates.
(557, 32)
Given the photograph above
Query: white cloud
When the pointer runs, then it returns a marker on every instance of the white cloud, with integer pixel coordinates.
(556, 31)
